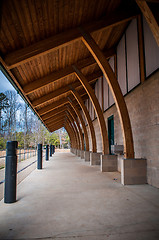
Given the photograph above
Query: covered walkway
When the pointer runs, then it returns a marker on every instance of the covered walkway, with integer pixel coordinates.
(69, 199)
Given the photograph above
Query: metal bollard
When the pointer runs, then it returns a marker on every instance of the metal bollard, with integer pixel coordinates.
(50, 150)
(11, 172)
(47, 152)
(53, 149)
(40, 157)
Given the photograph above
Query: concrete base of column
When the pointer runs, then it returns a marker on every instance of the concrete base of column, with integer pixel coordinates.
(78, 152)
(82, 154)
(95, 158)
(133, 171)
(87, 156)
(75, 151)
(108, 163)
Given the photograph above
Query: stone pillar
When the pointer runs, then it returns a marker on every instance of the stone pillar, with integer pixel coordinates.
(95, 158)
(133, 171)
(87, 156)
(82, 154)
(108, 163)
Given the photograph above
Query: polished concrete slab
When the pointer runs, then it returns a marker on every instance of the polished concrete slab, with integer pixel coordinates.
(69, 199)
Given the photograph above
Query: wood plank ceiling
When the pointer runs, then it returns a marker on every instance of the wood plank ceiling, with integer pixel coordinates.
(40, 41)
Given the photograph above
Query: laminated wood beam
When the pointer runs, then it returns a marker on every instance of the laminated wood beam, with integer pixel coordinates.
(53, 123)
(56, 117)
(63, 39)
(56, 127)
(96, 105)
(141, 49)
(87, 116)
(74, 131)
(72, 134)
(56, 104)
(116, 91)
(73, 105)
(78, 128)
(71, 111)
(58, 92)
(62, 73)
(54, 112)
(150, 18)
(52, 106)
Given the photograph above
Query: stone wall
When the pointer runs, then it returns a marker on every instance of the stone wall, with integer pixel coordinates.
(143, 107)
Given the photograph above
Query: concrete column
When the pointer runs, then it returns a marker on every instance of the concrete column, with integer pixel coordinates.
(133, 171)
(78, 152)
(87, 156)
(82, 154)
(95, 158)
(73, 150)
(108, 163)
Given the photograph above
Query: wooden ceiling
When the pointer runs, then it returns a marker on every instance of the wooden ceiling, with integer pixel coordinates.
(40, 41)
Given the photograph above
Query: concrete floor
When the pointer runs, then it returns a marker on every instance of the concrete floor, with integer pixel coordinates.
(71, 200)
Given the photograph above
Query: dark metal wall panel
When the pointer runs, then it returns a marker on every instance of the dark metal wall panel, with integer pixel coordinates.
(111, 99)
(133, 72)
(100, 91)
(105, 93)
(151, 50)
(121, 65)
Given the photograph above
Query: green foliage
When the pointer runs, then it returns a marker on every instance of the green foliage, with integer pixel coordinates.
(54, 139)
(2, 143)
(20, 139)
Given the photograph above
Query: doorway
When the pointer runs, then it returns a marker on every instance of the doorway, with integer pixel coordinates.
(111, 132)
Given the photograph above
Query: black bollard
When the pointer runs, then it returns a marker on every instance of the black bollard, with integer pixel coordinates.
(47, 152)
(40, 157)
(11, 172)
(50, 150)
(53, 148)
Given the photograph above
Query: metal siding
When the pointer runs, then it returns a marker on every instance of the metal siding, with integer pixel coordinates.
(100, 91)
(105, 93)
(121, 65)
(133, 71)
(111, 99)
(151, 50)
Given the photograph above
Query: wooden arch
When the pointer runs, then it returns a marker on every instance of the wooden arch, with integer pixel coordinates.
(74, 118)
(116, 91)
(75, 130)
(82, 123)
(94, 100)
(87, 116)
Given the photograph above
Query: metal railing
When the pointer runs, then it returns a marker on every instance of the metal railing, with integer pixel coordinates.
(26, 153)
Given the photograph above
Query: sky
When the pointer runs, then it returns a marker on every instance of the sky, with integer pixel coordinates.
(4, 83)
